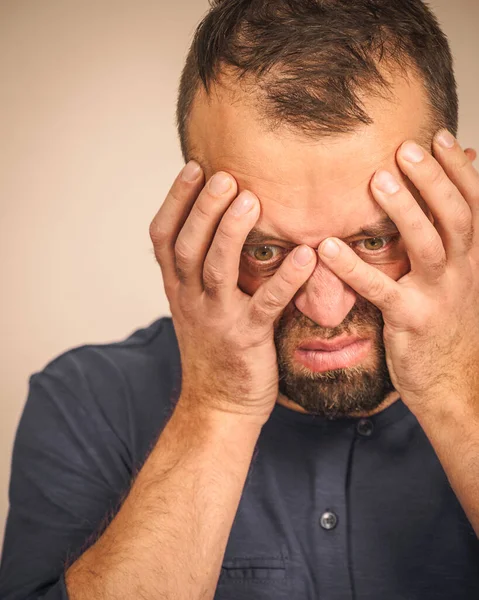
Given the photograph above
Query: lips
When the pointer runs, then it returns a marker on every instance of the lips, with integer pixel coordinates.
(325, 346)
(350, 355)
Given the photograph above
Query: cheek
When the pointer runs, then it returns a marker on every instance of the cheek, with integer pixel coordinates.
(249, 283)
(398, 267)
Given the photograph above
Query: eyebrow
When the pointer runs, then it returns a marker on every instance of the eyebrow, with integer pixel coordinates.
(385, 226)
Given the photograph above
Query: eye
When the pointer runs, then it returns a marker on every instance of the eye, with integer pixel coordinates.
(377, 244)
(263, 256)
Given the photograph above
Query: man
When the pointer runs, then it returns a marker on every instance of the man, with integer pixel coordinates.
(307, 424)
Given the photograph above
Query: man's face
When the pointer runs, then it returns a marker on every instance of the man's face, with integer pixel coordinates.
(310, 190)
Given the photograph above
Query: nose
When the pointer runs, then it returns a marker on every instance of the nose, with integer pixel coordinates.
(325, 298)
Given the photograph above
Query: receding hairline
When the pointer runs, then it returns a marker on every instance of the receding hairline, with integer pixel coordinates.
(229, 89)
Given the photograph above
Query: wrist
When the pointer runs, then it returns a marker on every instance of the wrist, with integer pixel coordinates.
(223, 414)
(226, 440)
(450, 416)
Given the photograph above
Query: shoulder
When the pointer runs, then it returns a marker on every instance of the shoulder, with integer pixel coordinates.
(145, 348)
(125, 389)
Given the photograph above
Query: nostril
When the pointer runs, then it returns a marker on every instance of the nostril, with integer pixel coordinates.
(325, 301)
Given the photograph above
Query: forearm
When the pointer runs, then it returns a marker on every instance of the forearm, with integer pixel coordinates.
(454, 435)
(168, 539)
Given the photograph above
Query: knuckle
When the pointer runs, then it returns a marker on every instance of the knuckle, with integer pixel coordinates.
(463, 162)
(217, 254)
(432, 254)
(271, 301)
(225, 235)
(408, 206)
(450, 195)
(417, 224)
(179, 195)
(169, 290)
(183, 252)
(203, 211)
(437, 177)
(375, 286)
(462, 218)
(161, 248)
(158, 232)
(213, 280)
(351, 267)
(219, 250)
(286, 276)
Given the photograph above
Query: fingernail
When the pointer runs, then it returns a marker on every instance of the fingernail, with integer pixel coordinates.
(329, 249)
(386, 182)
(445, 139)
(220, 184)
(303, 256)
(412, 152)
(243, 204)
(191, 172)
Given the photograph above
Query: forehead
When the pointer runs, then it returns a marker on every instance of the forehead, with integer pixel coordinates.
(308, 189)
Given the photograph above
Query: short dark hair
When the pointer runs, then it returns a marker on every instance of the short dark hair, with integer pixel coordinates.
(309, 59)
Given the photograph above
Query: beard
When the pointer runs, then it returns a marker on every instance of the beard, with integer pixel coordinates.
(340, 392)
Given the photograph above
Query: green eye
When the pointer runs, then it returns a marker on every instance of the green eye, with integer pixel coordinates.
(260, 256)
(263, 253)
(376, 244)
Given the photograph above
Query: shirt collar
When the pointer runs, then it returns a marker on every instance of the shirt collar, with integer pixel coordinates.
(393, 413)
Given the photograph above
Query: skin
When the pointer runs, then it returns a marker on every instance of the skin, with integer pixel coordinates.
(419, 305)
(427, 294)
(310, 191)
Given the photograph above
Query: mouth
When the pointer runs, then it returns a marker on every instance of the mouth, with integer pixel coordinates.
(329, 346)
(319, 356)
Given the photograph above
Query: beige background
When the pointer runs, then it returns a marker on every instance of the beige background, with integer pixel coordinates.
(88, 150)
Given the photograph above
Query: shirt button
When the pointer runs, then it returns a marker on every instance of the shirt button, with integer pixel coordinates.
(365, 427)
(328, 520)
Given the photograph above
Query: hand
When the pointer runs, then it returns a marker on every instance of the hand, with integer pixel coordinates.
(225, 336)
(431, 315)
(471, 154)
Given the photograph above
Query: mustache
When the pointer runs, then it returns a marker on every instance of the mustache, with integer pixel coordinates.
(294, 326)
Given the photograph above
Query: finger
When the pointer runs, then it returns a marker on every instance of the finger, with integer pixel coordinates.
(199, 229)
(273, 296)
(452, 215)
(458, 167)
(221, 266)
(366, 280)
(169, 219)
(423, 243)
(471, 154)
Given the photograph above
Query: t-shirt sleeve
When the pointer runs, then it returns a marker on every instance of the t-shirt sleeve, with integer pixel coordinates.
(70, 470)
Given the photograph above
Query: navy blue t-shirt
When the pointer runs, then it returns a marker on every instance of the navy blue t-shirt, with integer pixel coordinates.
(350, 509)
